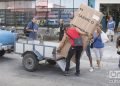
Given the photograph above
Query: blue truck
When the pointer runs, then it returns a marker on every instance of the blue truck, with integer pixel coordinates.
(7, 40)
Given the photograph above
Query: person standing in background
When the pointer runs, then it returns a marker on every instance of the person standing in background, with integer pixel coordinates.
(110, 27)
(32, 28)
(61, 29)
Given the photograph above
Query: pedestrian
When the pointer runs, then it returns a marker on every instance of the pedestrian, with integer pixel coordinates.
(98, 45)
(118, 48)
(32, 28)
(110, 27)
(88, 52)
(61, 29)
(73, 33)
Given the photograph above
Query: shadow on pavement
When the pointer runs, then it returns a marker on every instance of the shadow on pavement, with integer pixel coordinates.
(5, 59)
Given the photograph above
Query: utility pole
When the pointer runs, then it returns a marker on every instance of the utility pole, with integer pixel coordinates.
(60, 9)
(73, 8)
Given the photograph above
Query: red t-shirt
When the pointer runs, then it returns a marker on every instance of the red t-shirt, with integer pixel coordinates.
(72, 34)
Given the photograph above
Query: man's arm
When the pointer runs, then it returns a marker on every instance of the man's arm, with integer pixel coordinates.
(28, 27)
(36, 28)
(81, 32)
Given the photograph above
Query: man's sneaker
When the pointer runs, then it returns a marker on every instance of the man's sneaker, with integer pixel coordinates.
(66, 73)
(91, 69)
(77, 74)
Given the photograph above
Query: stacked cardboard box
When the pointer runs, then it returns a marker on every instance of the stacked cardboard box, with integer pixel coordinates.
(86, 18)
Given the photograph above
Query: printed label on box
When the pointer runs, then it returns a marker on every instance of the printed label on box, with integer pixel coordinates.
(96, 17)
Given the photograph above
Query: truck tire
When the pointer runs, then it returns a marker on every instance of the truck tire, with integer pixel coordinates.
(30, 62)
(51, 62)
(2, 52)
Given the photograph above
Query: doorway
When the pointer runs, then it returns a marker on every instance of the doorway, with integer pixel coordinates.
(114, 11)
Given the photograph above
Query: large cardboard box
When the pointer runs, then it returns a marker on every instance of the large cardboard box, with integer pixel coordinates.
(86, 18)
(64, 51)
(62, 64)
(66, 46)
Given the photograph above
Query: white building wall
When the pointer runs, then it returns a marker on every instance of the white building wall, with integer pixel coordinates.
(110, 1)
(2, 5)
(97, 5)
(17, 4)
(24, 4)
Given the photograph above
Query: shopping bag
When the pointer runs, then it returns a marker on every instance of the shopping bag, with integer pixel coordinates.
(104, 37)
(91, 45)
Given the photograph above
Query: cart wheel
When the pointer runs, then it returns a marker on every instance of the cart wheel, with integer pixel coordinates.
(2, 52)
(51, 62)
(30, 62)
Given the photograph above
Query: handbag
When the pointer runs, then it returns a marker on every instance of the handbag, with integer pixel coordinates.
(91, 46)
(104, 37)
(77, 41)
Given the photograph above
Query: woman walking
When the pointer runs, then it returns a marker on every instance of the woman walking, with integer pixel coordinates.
(98, 46)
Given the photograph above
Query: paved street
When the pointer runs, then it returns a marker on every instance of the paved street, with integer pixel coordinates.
(12, 72)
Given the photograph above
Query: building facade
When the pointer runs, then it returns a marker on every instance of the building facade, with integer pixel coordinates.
(19, 12)
(16, 12)
(109, 7)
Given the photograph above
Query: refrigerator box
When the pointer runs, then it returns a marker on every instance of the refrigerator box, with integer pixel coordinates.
(86, 18)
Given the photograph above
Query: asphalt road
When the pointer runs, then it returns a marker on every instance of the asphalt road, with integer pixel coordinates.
(12, 72)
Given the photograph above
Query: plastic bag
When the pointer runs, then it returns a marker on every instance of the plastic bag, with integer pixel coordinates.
(104, 37)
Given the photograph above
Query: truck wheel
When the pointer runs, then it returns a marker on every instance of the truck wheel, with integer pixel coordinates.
(2, 52)
(51, 62)
(30, 62)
